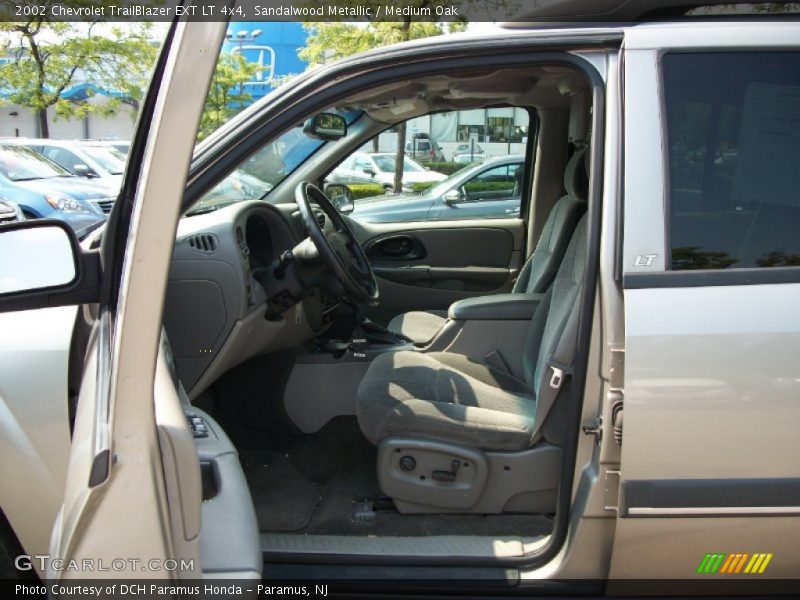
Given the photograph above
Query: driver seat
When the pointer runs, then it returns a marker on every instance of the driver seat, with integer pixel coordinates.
(452, 431)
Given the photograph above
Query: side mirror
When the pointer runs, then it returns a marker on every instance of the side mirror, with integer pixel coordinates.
(369, 171)
(326, 126)
(452, 197)
(82, 170)
(40, 255)
(341, 197)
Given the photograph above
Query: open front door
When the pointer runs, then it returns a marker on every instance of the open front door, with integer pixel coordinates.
(710, 476)
(118, 508)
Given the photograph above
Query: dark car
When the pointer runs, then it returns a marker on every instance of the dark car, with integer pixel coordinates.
(490, 189)
(43, 189)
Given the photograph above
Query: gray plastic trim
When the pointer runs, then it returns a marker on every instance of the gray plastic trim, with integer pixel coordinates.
(280, 546)
(492, 483)
(310, 399)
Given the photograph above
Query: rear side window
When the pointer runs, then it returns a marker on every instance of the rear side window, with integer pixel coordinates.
(733, 131)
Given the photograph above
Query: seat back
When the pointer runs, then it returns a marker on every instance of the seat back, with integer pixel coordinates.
(540, 269)
(552, 314)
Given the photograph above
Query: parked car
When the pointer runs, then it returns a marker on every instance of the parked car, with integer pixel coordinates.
(99, 162)
(221, 399)
(490, 189)
(468, 153)
(43, 189)
(10, 212)
(423, 149)
(378, 167)
(121, 146)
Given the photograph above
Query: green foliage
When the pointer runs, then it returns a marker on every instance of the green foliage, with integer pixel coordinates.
(446, 167)
(421, 186)
(332, 40)
(365, 190)
(226, 95)
(48, 57)
(474, 187)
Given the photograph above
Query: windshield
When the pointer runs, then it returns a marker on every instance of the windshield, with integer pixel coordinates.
(18, 163)
(108, 158)
(386, 163)
(255, 178)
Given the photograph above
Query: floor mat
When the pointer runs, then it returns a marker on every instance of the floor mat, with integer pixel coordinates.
(283, 497)
(321, 482)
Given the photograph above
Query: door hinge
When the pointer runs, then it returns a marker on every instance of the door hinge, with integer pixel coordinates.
(615, 398)
(616, 392)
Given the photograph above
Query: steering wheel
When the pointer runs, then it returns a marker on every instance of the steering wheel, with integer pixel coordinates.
(338, 247)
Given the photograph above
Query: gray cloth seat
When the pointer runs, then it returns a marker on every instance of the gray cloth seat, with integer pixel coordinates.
(447, 397)
(539, 270)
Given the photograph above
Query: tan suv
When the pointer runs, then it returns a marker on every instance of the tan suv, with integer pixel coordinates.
(269, 382)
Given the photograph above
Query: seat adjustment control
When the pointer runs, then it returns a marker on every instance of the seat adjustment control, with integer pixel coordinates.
(447, 476)
(407, 463)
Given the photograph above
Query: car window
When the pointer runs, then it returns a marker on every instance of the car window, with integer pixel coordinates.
(111, 159)
(363, 164)
(493, 183)
(733, 129)
(18, 163)
(442, 157)
(63, 157)
(387, 162)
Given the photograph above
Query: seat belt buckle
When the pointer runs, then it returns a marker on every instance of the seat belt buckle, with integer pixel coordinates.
(560, 372)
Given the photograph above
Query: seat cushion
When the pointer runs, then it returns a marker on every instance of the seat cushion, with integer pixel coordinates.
(444, 397)
(419, 326)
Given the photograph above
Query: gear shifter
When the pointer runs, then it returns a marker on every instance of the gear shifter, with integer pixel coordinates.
(373, 332)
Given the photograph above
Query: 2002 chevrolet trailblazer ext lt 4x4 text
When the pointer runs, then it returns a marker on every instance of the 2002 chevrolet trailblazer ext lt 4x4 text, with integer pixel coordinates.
(287, 386)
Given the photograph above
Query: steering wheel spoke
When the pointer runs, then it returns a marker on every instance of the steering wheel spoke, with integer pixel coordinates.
(337, 247)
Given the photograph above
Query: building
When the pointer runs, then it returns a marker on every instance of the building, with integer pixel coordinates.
(499, 131)
(272, 45)
(20, 121)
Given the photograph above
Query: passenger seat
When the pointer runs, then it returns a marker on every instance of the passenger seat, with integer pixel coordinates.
(540, 269)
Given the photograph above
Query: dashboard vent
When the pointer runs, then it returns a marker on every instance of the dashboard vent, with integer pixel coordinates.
(320, 218)
(203, 242)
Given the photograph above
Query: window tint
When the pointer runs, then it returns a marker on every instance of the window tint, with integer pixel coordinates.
(733, 126)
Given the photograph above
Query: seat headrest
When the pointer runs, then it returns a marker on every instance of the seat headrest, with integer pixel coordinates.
(576, 179)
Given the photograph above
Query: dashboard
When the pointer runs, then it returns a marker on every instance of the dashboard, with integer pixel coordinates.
(218, 312)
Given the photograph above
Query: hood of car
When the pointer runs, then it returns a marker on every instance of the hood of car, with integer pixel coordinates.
(69, 186)
(389, 202)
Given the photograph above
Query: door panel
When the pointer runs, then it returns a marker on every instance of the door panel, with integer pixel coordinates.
(115, 466)
(712, 384)
(430, 265)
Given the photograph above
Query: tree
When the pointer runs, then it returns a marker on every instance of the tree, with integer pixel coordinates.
(327, 41)
(226, 95)
(48, 57)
